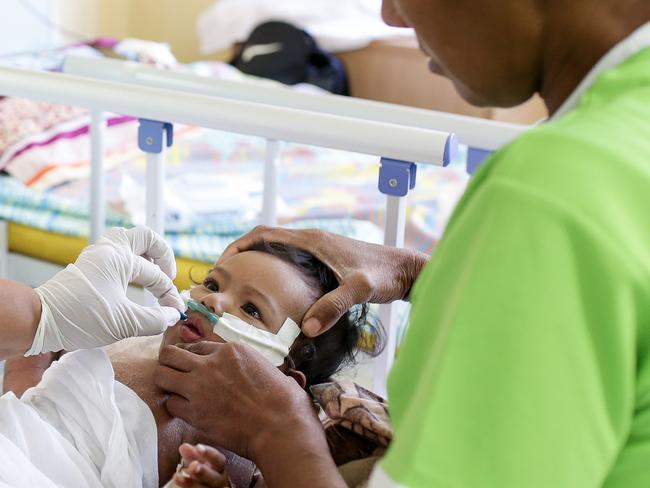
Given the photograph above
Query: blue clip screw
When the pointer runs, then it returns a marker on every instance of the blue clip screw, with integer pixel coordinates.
(396, 178)
(150, 135)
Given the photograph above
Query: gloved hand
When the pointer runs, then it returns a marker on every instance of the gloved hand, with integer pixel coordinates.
(85, 305)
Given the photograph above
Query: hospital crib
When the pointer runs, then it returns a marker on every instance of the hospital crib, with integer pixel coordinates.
(401, 137)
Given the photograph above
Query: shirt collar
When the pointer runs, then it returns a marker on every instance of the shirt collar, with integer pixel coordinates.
(635, 42)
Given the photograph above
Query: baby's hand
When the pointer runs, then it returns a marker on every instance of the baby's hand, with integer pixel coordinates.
(203, 467)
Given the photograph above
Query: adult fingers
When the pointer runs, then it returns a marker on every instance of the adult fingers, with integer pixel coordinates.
(243, 243)
(172, 381)
(177, 358)
(151, 320)
(323, 314)
(151, 277)
(202, 348)
(305, 239)
(145, 242)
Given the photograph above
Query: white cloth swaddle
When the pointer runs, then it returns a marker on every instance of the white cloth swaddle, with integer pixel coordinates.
(78, 428)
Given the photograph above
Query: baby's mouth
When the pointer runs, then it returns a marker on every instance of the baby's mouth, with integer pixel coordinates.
(192, 329)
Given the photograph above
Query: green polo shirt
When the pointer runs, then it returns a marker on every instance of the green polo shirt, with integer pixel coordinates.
(527, 362)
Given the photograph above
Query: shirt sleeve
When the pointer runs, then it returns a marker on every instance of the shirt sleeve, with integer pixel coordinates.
(518, 367)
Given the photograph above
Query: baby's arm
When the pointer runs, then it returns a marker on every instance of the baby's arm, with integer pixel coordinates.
(21, 373)
(203, 467)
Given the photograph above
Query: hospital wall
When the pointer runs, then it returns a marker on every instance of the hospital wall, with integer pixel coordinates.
(171, 21)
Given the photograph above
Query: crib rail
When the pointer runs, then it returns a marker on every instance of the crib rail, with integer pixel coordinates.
(474, 132)
(382, 139)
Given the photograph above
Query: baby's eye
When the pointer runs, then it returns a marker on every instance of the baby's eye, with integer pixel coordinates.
(251, 310)
(211, 284)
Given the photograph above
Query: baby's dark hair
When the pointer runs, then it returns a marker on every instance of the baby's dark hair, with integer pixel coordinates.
(318, 358)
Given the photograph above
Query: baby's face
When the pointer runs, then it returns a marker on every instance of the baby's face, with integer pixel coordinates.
(257, 287)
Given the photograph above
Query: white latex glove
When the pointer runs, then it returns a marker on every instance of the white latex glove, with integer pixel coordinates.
(85, 305)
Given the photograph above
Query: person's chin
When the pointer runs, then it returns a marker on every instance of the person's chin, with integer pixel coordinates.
(472, 96)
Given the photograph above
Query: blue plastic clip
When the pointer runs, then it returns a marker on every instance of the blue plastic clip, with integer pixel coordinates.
(475, 158)
(150, 135)
(396, 178)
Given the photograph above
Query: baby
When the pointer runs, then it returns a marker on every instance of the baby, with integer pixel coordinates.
(266, 287)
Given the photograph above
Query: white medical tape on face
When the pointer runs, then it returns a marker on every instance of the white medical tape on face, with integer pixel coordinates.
(274, 347)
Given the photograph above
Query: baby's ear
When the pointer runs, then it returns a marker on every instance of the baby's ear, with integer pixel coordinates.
(299, 376)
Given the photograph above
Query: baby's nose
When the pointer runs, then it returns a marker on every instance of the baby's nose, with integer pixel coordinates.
(216, 303)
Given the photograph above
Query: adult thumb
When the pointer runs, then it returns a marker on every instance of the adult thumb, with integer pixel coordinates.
(327, 310)
(154, 320)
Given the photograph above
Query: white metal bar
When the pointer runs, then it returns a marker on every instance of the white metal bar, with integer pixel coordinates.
(155, 191)
(97, 176)
(393, 236)
(473, 131)
(269, 213)
(395, 221)
(155, 201)
(283, 124)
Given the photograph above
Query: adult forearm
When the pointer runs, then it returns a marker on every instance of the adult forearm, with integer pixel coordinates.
(20, 312)
(22, 373)
(299, 459)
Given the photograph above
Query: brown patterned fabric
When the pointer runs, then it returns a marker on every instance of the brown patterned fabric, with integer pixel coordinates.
(357, 424)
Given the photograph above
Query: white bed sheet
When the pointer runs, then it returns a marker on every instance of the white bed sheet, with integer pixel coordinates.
(78, 427)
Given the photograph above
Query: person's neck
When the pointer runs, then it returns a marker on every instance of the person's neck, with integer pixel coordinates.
(578, 39)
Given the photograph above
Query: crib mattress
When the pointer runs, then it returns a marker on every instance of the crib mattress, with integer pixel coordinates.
(62, 249)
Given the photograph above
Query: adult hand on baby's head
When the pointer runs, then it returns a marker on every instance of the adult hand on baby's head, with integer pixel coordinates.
(365, 272)
(215, 386)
